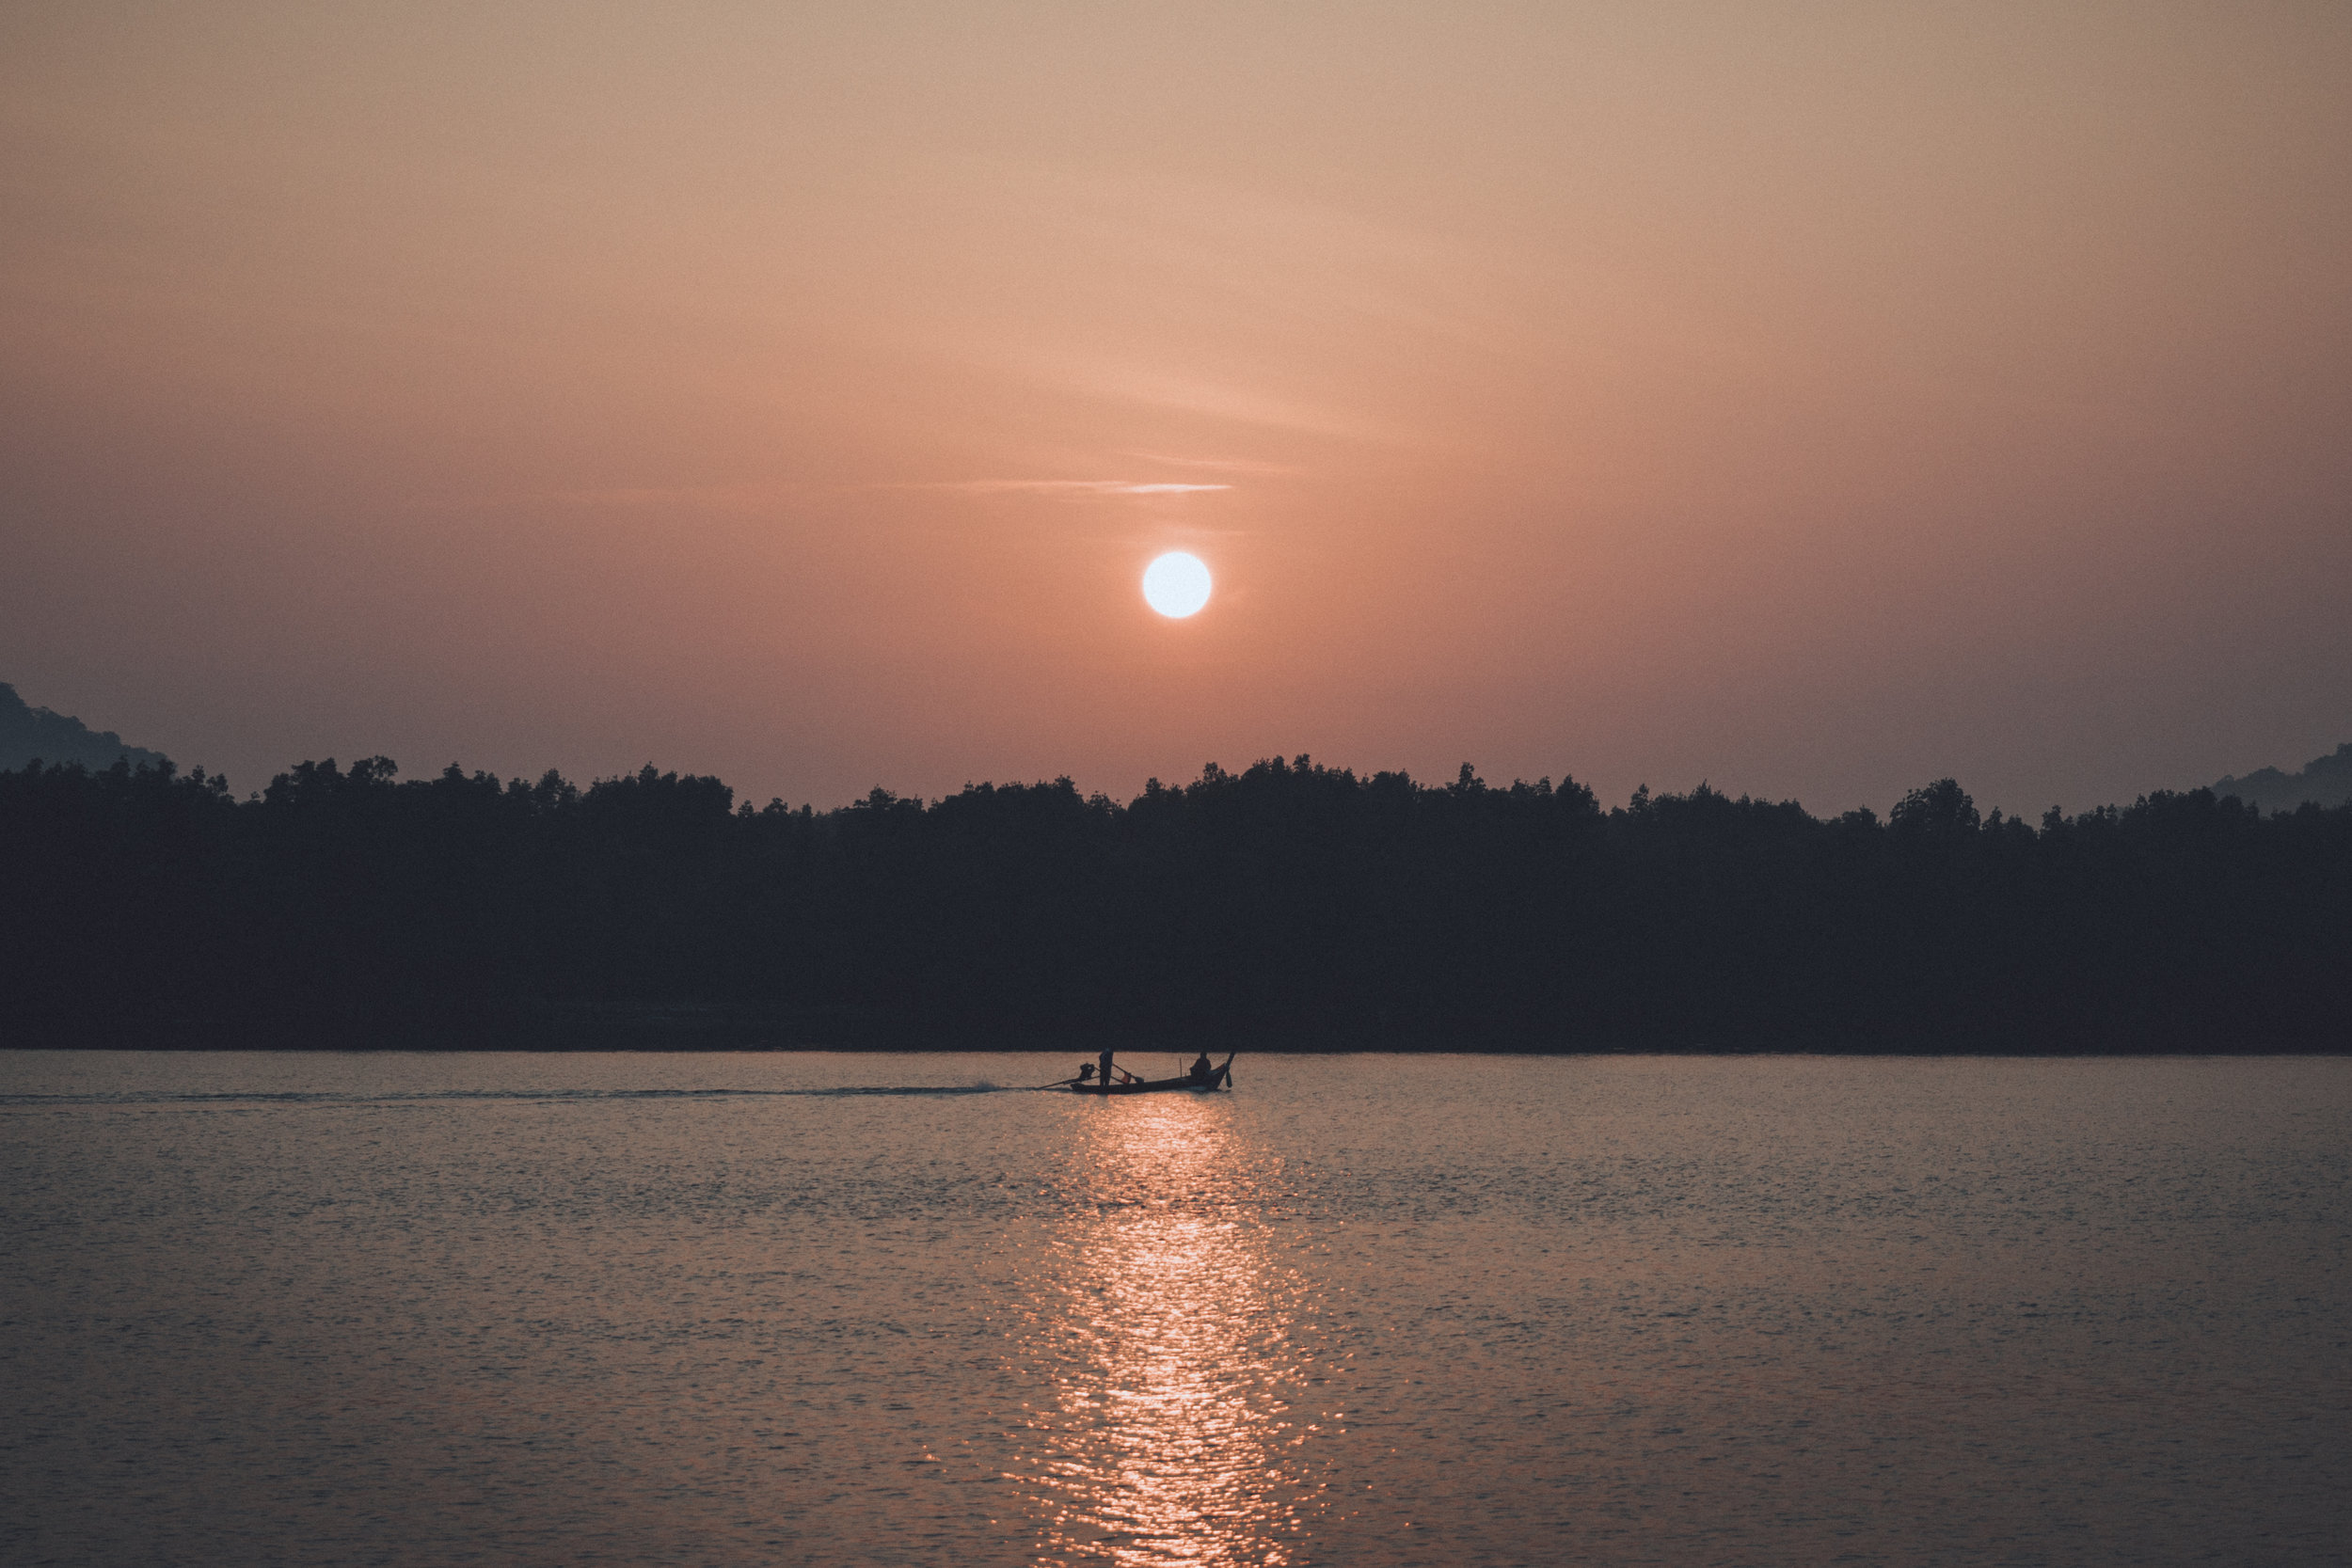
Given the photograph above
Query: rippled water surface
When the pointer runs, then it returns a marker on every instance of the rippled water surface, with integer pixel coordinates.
(1367, 1311)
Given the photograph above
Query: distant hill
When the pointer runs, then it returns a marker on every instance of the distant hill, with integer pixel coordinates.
(27, 732)
(2326, 780)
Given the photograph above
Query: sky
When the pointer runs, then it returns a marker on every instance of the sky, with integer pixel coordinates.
(1815, 399)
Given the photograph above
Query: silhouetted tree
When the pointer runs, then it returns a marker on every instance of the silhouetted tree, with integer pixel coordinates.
(1287, 904)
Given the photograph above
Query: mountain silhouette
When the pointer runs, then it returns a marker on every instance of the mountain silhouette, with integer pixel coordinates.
(2327, 781)
(28, 733)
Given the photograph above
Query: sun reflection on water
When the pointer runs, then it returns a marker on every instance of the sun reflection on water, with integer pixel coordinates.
(1172, 1332)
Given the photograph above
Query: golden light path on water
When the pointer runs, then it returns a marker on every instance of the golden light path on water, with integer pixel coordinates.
(1180, 1372)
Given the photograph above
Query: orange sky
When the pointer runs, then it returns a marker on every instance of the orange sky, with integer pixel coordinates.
(1814, 399)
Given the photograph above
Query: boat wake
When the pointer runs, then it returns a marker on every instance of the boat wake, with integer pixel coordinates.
(426, 1097)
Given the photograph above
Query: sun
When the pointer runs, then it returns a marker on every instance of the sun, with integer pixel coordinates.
(1176, 585)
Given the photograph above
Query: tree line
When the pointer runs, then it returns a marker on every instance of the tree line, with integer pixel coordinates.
(1290, 905)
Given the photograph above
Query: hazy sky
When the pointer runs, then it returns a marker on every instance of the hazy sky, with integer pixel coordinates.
(1815, 399)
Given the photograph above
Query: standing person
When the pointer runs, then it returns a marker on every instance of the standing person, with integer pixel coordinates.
(1102, 1068)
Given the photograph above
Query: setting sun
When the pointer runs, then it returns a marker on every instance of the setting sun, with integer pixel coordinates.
(1176, 585)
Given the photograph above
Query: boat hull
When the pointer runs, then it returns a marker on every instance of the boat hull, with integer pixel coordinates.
(1214, 1080)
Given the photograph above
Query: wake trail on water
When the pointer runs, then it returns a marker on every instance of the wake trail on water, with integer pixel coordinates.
(420, 1097)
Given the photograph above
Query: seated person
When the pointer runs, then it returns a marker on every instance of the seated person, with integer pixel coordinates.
(1201, 1069)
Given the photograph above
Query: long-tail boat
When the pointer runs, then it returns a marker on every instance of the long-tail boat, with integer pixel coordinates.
(1219, 1077)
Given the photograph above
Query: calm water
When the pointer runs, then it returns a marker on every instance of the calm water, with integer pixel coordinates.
(1362, 1311)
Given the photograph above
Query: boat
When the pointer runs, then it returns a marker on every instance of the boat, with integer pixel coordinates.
(1218, 1078)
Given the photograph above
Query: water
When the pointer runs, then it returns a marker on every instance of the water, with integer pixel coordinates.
(384, 1308)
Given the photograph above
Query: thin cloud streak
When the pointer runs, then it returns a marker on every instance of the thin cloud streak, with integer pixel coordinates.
(750, 497)
(1222, 465)
(1053, 486)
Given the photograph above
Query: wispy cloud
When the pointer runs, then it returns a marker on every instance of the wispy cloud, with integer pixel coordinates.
(1220, 465)
(747, 497)
(1055, 486)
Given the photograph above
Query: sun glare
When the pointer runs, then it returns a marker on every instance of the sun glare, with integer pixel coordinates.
(1176, 585)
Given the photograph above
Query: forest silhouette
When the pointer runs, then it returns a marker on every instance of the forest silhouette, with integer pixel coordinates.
(1287, 906)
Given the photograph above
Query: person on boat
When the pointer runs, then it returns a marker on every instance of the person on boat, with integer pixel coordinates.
(1103, 1067)
(1085, 1070)
(1201, 1069)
